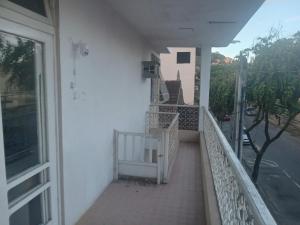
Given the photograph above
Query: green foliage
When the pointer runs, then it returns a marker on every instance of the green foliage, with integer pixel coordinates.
(273, 86)
(222, 88)
(216, 57)
(222, 85)
(17, 61)
(274, 75)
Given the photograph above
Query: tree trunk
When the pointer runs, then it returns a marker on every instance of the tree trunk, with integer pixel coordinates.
(269, 140)
(256, 166)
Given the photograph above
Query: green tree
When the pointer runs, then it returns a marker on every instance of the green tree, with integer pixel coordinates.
(273, 87)
(217, 57)
(222, 88)
(17, 62)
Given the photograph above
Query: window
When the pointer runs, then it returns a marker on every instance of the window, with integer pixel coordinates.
(155, 59)
(21, 103)
(183, 57)
(24, 128)
(36, 6)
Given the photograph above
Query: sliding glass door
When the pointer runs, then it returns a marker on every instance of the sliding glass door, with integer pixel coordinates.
(29, 174)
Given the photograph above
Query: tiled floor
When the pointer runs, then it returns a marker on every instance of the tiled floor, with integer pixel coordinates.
(180, 202)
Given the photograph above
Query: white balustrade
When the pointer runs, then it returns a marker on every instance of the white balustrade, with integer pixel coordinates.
(238, 200)
(188, 114)
(150, 154)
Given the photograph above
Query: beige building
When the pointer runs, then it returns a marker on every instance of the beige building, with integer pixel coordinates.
(182, 60)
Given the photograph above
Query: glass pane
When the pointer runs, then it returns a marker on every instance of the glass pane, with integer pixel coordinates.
(19, 103)
(28, 185)
(36, 6)
(183, 57)
(24, 187)
(29, 214)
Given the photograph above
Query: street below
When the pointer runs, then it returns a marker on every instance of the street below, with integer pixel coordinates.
(279, 176)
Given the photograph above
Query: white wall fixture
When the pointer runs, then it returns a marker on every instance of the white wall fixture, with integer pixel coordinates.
(81, 48)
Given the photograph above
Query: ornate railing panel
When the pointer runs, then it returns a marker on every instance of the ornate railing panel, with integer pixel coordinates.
(239, 201)
(188, 114)
(158, 120)
(173, 141)
(164, 125)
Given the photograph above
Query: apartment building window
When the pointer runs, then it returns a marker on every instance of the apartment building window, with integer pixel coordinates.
(183, 57)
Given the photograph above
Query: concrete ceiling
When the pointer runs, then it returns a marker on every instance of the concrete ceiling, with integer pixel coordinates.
(187, 23)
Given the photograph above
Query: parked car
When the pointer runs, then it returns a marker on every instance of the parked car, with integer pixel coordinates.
(251, 111)
(246, 140)
(226, 118)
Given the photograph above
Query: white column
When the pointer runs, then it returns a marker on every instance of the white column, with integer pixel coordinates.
(205, 64)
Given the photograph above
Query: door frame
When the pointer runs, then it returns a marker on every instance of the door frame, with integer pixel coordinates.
(18, 24)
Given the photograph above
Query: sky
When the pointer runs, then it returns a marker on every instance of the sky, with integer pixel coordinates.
(282, 14)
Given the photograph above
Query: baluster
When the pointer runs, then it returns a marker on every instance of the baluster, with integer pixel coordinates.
(142, 148)
(133, 147)
(150, 150)
(125, 146)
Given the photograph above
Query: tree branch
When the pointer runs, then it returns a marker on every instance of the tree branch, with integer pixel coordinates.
(284, 127)
(254, 147)
(247, 131)
(258, 113)
(257, 122)
(267, 127)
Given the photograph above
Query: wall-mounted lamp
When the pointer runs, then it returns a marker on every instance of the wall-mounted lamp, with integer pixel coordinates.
(81, 48)
(78, 49)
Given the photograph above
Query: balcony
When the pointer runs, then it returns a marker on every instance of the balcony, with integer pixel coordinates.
(196, 181)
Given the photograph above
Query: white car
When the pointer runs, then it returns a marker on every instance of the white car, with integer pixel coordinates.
(245, 139)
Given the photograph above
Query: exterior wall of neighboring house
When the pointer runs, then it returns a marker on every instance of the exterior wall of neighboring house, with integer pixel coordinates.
(170, 68)
(107, 92)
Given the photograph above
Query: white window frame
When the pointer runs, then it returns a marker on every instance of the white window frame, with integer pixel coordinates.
(19, 24)
(26, 12)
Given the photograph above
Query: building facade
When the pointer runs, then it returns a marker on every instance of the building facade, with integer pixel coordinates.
(181, 61)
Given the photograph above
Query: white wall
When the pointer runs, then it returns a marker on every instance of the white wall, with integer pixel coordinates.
(169, 68)
(110, 93)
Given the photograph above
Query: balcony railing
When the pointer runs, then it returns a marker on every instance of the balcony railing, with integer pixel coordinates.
(164, 126)
(188, 114)
(150, 154)
(238, 200)
(209, 177)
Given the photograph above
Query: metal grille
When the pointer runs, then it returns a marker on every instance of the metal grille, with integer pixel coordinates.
(188, 114)
(155, 121)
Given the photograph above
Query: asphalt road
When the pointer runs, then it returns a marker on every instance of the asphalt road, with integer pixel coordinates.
(279, 178)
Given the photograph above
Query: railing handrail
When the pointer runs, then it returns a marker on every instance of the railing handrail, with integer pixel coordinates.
(130, 133)
(166, 113)
(260, 210)
(174, 105)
